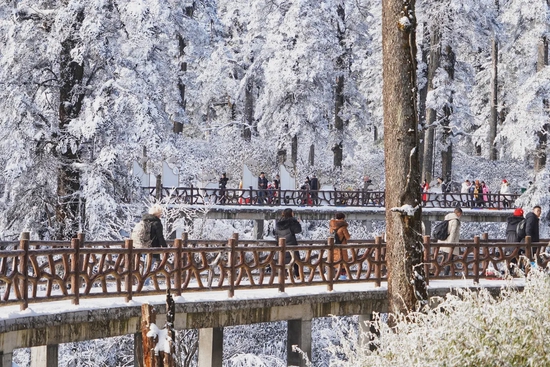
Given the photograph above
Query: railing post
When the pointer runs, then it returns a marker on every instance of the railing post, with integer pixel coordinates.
(231, 245)
(427, 251)
(282, 252)
(330, 261)
(476, 260)
(178, 243)
(378, 261)
(528, 249)
(129, 245)
(250, 196)
(75, 270)
(24, 264)
(191, 195)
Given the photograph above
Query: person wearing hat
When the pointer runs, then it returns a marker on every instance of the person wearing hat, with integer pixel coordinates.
(512, 236)
(505, 189)
(512, 224)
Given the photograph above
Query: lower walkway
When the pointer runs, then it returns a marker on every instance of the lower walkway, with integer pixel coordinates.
(42, 326)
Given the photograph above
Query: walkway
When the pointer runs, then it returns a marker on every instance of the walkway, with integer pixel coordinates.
(296, 198)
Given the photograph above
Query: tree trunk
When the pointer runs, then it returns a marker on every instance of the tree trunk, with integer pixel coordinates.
(248, 110)
(312, 155)
(423, 91)
(542, 135)
(71, 95)
(178, 126)
(494, 103)
(447, 151)
(431, 114)
(294, 152)
(339, 94)
(403, 231)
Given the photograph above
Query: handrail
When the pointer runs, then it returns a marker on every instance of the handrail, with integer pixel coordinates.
(349, 198)
(33, 274)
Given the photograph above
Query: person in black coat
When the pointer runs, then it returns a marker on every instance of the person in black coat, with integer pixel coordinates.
(286, 228)
(532, 228)
(262, 188)
(512, 224)
(157, 233)
(222, 185)
(532, 224)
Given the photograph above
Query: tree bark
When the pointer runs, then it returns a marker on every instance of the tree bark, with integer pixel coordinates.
(431, 114)
(403, 231)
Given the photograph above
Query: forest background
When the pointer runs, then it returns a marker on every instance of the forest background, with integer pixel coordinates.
(88, 87)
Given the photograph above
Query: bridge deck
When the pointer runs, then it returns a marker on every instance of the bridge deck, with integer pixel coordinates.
(61, 322)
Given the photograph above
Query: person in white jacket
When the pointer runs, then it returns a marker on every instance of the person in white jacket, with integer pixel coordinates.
(505, 189)
(454, 236)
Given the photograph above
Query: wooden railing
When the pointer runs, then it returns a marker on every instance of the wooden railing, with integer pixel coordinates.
(38, 271)
(250, 196)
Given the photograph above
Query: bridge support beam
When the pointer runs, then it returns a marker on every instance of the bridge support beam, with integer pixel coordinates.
(427, 227)
(299, 334)
(6, 359)
(211, 347)
(138, 350)
(44, 356)
(258, 229)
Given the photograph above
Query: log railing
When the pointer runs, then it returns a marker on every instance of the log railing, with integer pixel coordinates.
(254, 197)
(38, 271)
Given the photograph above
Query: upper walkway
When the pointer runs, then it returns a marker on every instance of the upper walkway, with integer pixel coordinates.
(335, 198)
(357, 205)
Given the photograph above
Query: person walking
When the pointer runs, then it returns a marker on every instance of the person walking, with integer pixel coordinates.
(512, 237)
(286, 228)
(453, 237)
(262, 188)
(314, 187)
(222, 185)
(157, 232)
(339, 227)
(425, 191)
(465, 192)
(504, 190)
(532, 220)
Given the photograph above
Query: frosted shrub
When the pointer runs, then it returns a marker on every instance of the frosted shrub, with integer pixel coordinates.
(467, 328)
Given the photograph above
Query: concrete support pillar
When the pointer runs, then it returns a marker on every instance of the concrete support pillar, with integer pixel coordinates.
(258, 229)
(5, 359)
(364, 329)
(368, 225)
(299, 334)
(138, 350)
(427, 228)
(210, 347)
(44, 356)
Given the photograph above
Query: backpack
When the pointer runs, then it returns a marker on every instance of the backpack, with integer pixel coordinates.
(441, 230)
(141, 234)
(520, 230)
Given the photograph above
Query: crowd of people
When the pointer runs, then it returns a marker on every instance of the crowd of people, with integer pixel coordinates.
(474, 193)
(518, 227)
